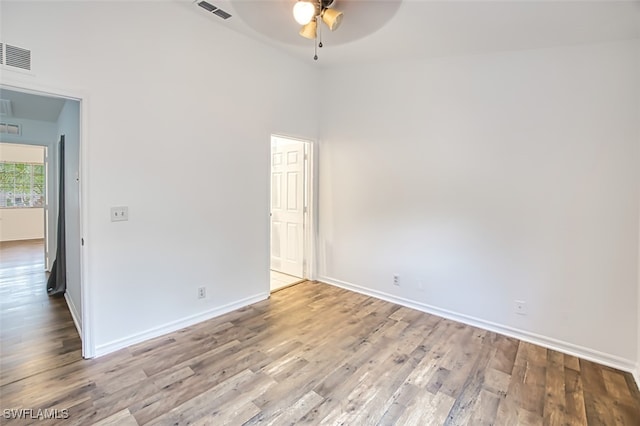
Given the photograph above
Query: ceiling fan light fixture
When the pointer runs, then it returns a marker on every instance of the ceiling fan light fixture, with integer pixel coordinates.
(309, 30)
(332, 18)
(304, 12)
(310, 13)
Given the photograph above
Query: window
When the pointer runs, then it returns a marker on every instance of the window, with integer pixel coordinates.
(21, 185)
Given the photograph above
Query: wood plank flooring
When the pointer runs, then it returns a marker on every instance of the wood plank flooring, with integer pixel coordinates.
(311, 354)
(36, 331)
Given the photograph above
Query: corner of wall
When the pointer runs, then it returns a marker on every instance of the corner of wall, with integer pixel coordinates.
(106, 348)
(75, 314)
(593, 355)
(636, 372)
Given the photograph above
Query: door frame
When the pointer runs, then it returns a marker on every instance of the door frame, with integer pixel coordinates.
(310, 216)
(10, 82)
(47, 209)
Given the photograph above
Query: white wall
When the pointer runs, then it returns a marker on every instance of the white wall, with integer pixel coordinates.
(489, 179)
(21, 223)
(180, 112)
(41, 133)
(69, 125)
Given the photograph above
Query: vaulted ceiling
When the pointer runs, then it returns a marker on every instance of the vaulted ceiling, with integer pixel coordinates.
(378, 30)
(382, 30)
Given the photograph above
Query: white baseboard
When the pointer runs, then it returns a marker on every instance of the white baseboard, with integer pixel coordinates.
(545, 341)
(176, 325)
(74, 313)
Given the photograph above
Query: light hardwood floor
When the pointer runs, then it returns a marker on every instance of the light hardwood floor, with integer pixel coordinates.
(311, 354)
(280, 280)
(36, 332)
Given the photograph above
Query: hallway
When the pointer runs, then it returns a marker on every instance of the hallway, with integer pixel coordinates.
(37, 332)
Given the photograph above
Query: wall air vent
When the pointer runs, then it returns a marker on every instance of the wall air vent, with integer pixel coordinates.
(16, 57)
(10, 129)
(1, 53)
(214, 9)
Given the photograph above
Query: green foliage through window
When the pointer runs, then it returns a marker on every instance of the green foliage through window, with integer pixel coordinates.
(21, 185)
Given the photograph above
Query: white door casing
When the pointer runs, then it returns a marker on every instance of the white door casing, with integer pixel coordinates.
(287, 206)
(47, 261)
(10, 82)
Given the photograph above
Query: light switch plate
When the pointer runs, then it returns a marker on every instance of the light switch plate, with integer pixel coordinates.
(119, 214)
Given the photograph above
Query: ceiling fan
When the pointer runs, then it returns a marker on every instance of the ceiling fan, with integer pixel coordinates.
(308, 12)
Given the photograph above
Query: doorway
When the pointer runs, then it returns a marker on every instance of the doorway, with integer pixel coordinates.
(289, 211)
(41, 117)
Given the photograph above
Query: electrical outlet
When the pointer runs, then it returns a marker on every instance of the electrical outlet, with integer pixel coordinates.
(520, 307)
(119, 214)
(202, 292)
(396, 279)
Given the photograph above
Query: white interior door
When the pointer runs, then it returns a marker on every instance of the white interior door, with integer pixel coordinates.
(287, 206)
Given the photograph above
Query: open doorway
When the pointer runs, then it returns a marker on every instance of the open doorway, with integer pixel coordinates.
(38, 120)
(290, 213)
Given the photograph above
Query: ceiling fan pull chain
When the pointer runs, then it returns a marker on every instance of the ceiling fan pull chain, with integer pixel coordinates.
(320, 36)
(315, 47)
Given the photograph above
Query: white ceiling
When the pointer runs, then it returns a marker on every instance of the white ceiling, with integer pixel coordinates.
(422, 29)
(380, 30)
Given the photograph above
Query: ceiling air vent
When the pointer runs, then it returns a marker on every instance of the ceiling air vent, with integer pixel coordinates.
(214, 9)
(16, 57)
(221, 13)
(207, 6)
